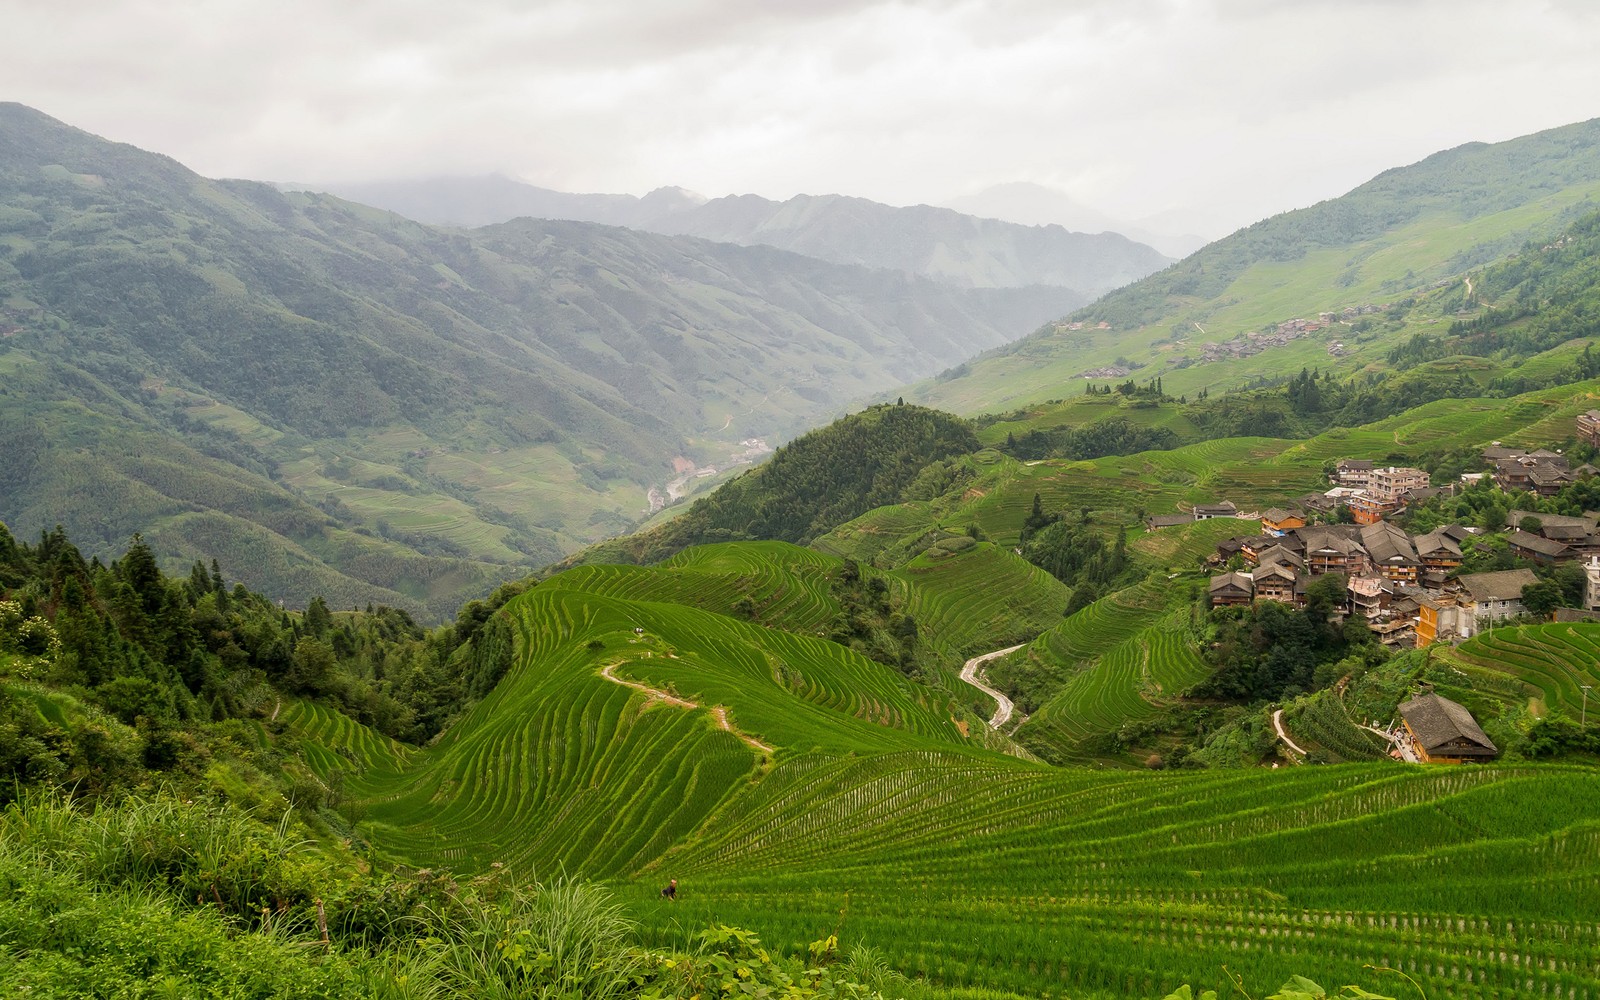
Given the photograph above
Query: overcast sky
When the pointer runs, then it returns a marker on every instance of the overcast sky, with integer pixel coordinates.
(1222, 110)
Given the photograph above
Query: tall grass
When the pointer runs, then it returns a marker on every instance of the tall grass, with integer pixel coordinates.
(558, 939)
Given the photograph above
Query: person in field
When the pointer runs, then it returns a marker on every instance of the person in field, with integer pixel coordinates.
(670, 893)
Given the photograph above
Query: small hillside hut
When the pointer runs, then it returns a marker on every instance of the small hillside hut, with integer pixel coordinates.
(1445, 732)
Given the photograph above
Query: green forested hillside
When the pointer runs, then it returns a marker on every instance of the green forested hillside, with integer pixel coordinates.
(812, 485)
(687, 720)
(1368, 270)
(336, 399)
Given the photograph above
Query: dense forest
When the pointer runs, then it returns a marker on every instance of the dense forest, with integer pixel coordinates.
(156, 669)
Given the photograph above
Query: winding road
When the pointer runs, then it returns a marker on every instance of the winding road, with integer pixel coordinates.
(969, 673)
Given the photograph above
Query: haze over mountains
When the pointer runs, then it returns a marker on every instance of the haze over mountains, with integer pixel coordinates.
(339, 400)
(335, 399)
(1174, 232)
(937, 243)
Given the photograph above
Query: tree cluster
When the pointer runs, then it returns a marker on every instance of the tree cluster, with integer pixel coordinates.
(1269, 651)
(1113, 436)
(1075, 553)
(170, 656)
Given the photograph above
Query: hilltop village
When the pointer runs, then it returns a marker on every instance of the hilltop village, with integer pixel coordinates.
(1409, 585)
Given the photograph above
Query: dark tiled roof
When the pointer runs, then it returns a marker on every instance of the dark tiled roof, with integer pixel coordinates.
(1505, 585)
(1514, 519)
(1387, 544)
(1435, 542)
(1170, 520)
(1329, 538)
(1291, 542)
(1564, 532)
(1229, 581)
(1438, 721)
(1279, 554)
(1273, 570)
(1533, 543)
(1317, 501)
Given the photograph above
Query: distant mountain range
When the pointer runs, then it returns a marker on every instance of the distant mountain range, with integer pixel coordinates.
(937, 243)
(333, 399)
(1173, 233)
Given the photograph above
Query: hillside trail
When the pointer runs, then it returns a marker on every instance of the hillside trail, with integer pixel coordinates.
(654, 694)
(1394, 741)
(721, 715)
(1277, 723)
(718, 712)
(969, 673)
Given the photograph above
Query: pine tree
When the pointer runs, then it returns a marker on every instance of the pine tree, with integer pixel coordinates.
(317, 619)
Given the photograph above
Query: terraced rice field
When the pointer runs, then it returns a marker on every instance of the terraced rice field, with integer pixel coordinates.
(1183, 547)
(1476, 882)
(1550, 662)
(1125, 680)
(1321, 724)
(541, 769)
(874, 818)
(981, 599)
(332, 741)
(877, 531)
(872, 815)
(788, 584)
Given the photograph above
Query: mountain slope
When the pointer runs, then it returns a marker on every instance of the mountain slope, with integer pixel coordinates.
(485, 201)
(1362, 272)
(362, 387)
(936, 243)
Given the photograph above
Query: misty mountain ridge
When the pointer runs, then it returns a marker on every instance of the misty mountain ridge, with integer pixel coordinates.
(473, 202)
(334, 399)
(932, 242)
(1173, 232)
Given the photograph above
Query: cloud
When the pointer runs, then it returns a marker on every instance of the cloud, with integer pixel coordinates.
(1230, 108)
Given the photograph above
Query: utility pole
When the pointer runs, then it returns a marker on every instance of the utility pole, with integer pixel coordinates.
(1583, 717)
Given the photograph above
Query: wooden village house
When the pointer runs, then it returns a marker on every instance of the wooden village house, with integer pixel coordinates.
(1444, 732)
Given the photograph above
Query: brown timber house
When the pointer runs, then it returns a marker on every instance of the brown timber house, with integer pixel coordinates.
(1445, 732)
